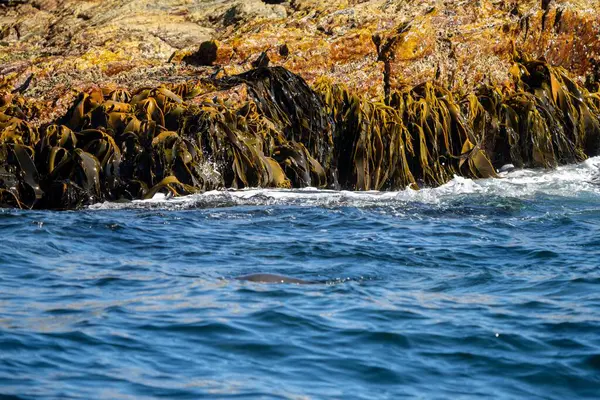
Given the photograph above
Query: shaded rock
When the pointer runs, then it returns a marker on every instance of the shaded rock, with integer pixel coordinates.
(205, 56)
(284, 50)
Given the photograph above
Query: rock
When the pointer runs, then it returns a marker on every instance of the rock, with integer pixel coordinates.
(72, 44)
(194, 95)
(252, 9)
(284, 50)
(206, 54)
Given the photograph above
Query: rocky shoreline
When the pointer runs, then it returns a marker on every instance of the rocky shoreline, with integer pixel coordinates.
(118, 100)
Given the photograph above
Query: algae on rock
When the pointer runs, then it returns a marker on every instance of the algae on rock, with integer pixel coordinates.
(119, 100)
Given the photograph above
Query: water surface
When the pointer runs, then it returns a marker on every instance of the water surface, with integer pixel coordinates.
(476, 289)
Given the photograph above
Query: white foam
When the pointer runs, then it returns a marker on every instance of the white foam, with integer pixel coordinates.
(567, 181)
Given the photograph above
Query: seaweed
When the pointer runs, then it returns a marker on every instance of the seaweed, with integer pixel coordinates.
(297, 111)
(268, 128)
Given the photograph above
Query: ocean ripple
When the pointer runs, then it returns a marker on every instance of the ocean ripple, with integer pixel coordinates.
(476, 289)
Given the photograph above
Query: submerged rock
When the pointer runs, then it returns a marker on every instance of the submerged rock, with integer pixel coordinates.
(271, 278)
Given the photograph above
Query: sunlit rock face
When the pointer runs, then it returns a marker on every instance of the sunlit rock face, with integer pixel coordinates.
(73, 44)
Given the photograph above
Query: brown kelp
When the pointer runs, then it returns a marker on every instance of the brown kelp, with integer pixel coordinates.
(370, 142)
(298, 112)
(268, 128)
(546, 121)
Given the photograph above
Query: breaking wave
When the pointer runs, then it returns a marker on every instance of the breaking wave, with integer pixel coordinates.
(580, 180)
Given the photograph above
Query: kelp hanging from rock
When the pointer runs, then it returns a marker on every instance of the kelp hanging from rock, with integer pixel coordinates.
(298, 112)
(119, 145)
(371, 145)
(268, 128)
(108, 146)
(547, 121)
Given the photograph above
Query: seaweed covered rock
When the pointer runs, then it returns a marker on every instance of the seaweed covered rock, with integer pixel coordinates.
(268, 128)
(119, 100)
(113, 144)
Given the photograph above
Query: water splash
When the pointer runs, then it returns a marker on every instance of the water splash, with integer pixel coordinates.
(567, 181)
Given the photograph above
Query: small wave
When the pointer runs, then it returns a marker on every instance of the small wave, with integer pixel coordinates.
(566, 181)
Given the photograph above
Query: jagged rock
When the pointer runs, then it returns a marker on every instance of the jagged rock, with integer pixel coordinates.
(77, 43)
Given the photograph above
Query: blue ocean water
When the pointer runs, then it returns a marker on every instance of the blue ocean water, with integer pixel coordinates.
(476, 289)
